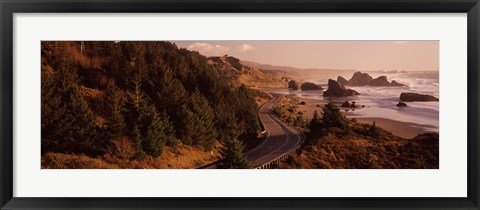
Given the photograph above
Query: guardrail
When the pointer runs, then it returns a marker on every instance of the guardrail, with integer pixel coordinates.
(285, 155)
(277, 160)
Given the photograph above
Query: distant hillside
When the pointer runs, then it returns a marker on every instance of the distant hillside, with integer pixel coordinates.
(299, 73)
(239, 72)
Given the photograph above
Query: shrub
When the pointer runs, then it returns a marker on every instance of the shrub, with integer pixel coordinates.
(123, 148)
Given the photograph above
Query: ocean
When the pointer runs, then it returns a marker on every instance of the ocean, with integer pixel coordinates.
(380, 102)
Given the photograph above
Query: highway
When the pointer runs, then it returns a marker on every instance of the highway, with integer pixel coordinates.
(281, 138)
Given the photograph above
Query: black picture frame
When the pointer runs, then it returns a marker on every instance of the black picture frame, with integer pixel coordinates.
(9, 7)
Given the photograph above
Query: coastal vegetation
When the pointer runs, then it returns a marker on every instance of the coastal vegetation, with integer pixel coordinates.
(335, 141)
(152, 104)
(136, 101)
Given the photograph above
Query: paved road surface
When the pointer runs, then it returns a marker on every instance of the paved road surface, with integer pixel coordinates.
(281, 138)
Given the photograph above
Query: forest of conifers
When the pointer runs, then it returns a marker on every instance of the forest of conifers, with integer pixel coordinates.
(153, 94)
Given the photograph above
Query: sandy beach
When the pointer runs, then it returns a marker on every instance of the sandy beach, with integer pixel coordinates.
(402, 129)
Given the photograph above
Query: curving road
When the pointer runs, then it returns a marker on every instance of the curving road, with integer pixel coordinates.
(281, 138)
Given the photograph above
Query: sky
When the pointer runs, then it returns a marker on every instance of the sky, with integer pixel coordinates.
(358, 55)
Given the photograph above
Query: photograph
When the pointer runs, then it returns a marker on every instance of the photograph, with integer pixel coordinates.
(240, 104)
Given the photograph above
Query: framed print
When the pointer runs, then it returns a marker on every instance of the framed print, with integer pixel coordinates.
(239, 105)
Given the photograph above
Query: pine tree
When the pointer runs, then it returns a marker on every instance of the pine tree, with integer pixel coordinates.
(81, 129)
(136, 102)
(114, 108)
(159, 131)
(170, 93)
(247, 111)
(232, 156)
(373, 131)
(233, 150)
(198, 125)
(137, 141)
(52, 111)
(151, 130)
(333, 118)
(316, 123)
(68, 123)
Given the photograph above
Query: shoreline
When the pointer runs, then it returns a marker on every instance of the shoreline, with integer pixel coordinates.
(399, 128)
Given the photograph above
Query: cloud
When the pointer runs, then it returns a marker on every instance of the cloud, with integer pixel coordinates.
(208, 49)
(245, 48)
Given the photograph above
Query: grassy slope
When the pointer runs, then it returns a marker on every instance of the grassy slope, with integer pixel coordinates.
(185, 157)
(357, 151)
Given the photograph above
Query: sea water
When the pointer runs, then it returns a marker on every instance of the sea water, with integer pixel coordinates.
(380, 102)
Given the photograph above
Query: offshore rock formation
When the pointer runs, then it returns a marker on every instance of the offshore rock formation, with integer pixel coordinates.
(310, 86)
(416, 97)
(361, 79)
(335, 89)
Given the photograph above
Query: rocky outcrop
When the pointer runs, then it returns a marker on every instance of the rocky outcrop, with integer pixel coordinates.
(233, 69)
(349, 105)
(352, 105)
(335, 89)
(292, 84)
(416, 97)
(310, 86)
(361, 79)
(379, 81)
(395, 83)
(401, 104)
(342, 80)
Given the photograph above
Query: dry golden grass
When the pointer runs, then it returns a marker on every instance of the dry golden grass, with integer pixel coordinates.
(92, 93)
(83, 60)
(184, 157)
(73, 161)
(333, 152)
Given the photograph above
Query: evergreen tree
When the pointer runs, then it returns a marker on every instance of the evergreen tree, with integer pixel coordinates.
(373, 131)
(170, 93)
(68, 123)
(135, 106)
(232, 156)
(114, 108)
(198, 122)
(315, 124)
(159, 131)
(233, 150)
(52, 111)
(170, 86)
(247, 111)
(333, 118)
(151, 130)
(79, 121)
(137, 141)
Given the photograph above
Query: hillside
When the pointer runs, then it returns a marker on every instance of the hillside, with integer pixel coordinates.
(239, 73)
(335, 142)
(145, 102)
(298, 73)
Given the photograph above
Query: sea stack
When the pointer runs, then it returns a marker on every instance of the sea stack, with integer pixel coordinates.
(416, 97)
(293, 84)
(362, 79)
(310, 86)
(335, 89)
(342, 80)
